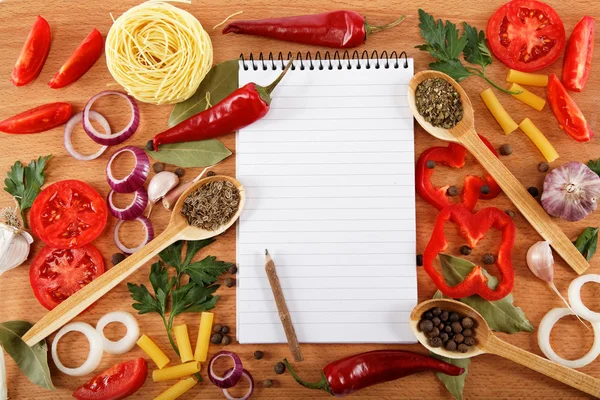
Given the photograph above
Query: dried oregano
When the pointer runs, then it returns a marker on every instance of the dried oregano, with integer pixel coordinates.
(439, 103)
(212, 205)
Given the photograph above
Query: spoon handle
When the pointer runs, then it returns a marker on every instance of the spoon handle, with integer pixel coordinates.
(527, 205)
(86, 296)
(568, 376)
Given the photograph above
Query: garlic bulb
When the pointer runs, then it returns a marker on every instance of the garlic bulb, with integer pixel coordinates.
(159, 186)
(14, 247)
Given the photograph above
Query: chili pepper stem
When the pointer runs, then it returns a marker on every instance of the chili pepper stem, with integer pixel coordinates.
(271, 87)
(321, 385)
(373, 29)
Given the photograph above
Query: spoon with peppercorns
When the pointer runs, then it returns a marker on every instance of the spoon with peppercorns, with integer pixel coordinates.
(442, 108)
(453, 329)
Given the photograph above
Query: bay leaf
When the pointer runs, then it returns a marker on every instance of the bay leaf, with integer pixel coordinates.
(33, 361)
(203, 153)
(501, 315)
(454, 384)
(219, 83)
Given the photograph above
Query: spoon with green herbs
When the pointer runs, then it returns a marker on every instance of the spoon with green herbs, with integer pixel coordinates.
(445, 111)
(188, 222)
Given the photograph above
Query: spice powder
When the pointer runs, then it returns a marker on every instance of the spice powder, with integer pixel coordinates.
(212, 205)
(439, 103)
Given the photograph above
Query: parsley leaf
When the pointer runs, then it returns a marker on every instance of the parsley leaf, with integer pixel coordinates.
(594, 166)
(207, 270)
(476, 51)
(443, 41)
(587, 242)
(193, 298)
(145, 302)
(172, 254)
(453, 68)
(25, 183)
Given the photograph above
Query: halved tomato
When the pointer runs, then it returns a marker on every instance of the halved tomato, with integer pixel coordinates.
(68, 214)
(567, 113)
(55, 274)
(526, 35)
(117, 382)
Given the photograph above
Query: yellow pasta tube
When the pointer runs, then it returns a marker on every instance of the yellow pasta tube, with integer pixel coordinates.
(527, 97)
(153, 351)
(206, 322)
(491, 101)
(177, 389)
(176, 371)
(183, 343)
(538, 138)
(527, 79)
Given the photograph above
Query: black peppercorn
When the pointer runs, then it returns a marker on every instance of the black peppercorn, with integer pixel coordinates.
(217, 328)
(216, 338)
(229, 282)
(485, 189)
(448, 329)
(458, 338)
(543, 167)
(452, 191)
(435, 342)
(279, 368)
(441, 326)
(465, 250)
(450, 345)
(428, 315)
(489, 259)
(436, 311)
(444, 315)
(469, 341)
(467, 322)
(467, 332)
(510, 213)
(430, 164)
(506, 149)
(180, 172)
(117, 258)
(150, 145)
(454, 317)
(463, 348)
(533, 191)
(456, 327)
(444, 336)
(258, 354)
(158, 167)
(233, 270)
(267, 383)
(225, 330)
(426, 326)
(419, 260)
(226, 340)
(210, 173)
(434, 332)
(436, 321)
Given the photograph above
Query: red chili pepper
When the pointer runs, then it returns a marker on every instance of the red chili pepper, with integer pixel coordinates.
(473, 228)
(453, 156)
(348, 375)
(38, 119)
(84, 57)
(241, 108)
(339, 29)
(34, 53)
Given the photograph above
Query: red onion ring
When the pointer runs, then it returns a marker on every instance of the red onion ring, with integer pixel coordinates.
(119, 137)
(133, 209)
(136, 177)
(148, 229)
(75, 119)
(248, 394)
(231, 377)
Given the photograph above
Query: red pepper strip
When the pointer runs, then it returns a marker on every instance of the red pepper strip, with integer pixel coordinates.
(578, 55)
(567, 113)
(473, 228)
(84, 57)
(348, 375)
(338, 29)
(38, 119)
(241, 108)
(34, 53)
(452, 156)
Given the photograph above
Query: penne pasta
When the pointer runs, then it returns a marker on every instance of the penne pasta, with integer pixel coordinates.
(531, 99)
(538, 138)
(204, 331)
(177, 389)
(183, 343)
(153, 351)
(491, 101)
(175, 372)
(526, 78)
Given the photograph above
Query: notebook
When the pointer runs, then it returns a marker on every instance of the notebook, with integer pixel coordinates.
(329, 179)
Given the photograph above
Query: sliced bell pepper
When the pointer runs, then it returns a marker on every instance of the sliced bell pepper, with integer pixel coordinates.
(453, 156)
(473, 228)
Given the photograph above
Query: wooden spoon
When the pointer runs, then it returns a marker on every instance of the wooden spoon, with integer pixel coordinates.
(465, 134)
(178, 229)
(487, 342)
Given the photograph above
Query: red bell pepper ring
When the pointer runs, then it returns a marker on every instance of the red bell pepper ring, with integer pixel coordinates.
(473, 228)
(453, 156)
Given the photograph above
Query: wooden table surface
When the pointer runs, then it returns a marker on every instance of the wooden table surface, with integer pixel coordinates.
(489, 376)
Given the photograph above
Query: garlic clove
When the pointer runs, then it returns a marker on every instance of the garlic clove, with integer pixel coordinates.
(159, 186)
(14, 247)
(540, 261)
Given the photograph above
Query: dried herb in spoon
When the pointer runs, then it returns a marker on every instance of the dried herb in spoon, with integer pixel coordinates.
(212, 205)
(439, 103)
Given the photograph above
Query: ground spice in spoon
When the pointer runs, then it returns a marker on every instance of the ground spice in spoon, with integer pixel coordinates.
(439, 103)
(212, 205)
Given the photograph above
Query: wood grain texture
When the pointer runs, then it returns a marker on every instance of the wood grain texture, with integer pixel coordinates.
(489, 376)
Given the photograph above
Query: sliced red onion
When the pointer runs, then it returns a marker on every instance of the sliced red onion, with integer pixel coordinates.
(136, 177)
(119, 137)
(133, 210)
(148, 231)
(231, 377)
(248, 394)
(75, 119)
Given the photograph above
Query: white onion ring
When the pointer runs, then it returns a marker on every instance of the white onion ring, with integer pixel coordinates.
(94, 357)
(575, 297)
(544, 330)
(77, 118)
(148, 230)
(248, 394)
(127, 342)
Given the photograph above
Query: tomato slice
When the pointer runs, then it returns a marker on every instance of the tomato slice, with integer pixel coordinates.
(84, 57)
(39, 119)
(55, 274)
(578, 56)
(68, 214)
(569, 116)
(117, 382)
(33, 54)
(526, 35)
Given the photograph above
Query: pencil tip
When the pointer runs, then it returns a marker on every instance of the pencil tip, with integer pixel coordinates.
(266, 252)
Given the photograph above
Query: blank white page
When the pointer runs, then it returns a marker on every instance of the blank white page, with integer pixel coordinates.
(329, 178)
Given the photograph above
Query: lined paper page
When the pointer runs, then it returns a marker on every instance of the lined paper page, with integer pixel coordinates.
(329, 178)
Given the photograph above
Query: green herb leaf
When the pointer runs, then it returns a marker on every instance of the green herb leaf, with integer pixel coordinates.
(172, 255)
(145, 302)
(25, 183)
(443, 41)
(453, 68)
(193, 298)
(594, 166)
(33, 361)
(454, 384)
(207, 271)
(587, 242)
(194, 246)
(476, 50)
(202, 153)
(220, 82)
(501, 315)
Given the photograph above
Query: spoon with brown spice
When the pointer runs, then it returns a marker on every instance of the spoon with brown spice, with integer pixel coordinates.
(487, 342)
(178, 229)
(464, 133)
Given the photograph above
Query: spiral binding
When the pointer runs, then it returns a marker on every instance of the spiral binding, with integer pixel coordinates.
(327, 60)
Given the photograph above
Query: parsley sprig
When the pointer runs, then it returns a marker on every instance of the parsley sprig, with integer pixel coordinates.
(445, 44)
(196, 295)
